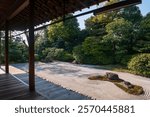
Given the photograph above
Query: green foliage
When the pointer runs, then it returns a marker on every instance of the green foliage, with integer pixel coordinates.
(56, 54)
(17, 52)
(132, 14)
(120, 33)
(145, 26)
(64, 34)
(67, 57)
(93, 51)
(78, 54)
(140, 64)
(96, 24)
(125, 59)
(36, 57)
(41, 42)
(143, 44)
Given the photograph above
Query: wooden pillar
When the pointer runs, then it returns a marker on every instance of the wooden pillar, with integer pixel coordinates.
(0, 48)
(31, 47)
(6, 48)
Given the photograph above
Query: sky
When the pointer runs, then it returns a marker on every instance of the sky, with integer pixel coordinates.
(144, 7)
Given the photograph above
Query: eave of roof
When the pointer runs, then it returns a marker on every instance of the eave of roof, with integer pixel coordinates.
(45, 10)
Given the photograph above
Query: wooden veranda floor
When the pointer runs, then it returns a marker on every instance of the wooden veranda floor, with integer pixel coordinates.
(16, 88)
(13, 89)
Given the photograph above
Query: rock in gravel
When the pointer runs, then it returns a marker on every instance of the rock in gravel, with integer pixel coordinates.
(128, 84)
(112, 76)
(75, 62)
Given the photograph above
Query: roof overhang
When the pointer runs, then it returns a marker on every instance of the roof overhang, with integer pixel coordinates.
(46, 10)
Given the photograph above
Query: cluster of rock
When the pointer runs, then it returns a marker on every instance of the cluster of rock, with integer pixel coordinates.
(115, 77)
(128, 84)
(112, 76)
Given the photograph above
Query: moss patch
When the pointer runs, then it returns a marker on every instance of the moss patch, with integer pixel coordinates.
(135, 90)
(104, 78)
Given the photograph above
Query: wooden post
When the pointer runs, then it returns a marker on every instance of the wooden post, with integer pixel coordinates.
(6, 48)
(31, 47)
(0, 49)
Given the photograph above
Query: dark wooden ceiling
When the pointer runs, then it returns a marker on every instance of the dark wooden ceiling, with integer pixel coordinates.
(45, 10)
(4, 5)
(17, 11)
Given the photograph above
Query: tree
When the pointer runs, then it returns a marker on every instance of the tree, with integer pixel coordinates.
(18, 52)
(41, 43)
(122, 36)
(64, 34)
(93, 51)
(132, 14)
(118, 29)
(143, 44)
(96, 24)
(145, 26)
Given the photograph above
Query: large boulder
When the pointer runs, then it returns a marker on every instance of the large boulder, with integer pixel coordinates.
(112, 76)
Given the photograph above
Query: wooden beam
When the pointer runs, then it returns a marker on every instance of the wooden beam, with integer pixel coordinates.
(44, 6)
(56, 5)
(10, 10)
(17, 11)
(82, 3)
(6, 48)
(117, 6)
(31, 47)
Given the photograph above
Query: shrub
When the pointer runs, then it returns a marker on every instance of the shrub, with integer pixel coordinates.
(125, 59)
(67, 57)
(57, 54)
(36, 57)
(46, 51)
(140, 64)
(78, 54)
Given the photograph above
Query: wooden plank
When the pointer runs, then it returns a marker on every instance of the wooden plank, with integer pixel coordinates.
(14, 92)
(11, 88)
(7, 89)
(25, 94)
(7, 85)
(30, 98)
(16, 96)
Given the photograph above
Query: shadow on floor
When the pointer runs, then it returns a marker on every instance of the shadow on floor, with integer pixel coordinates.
(52, 91)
